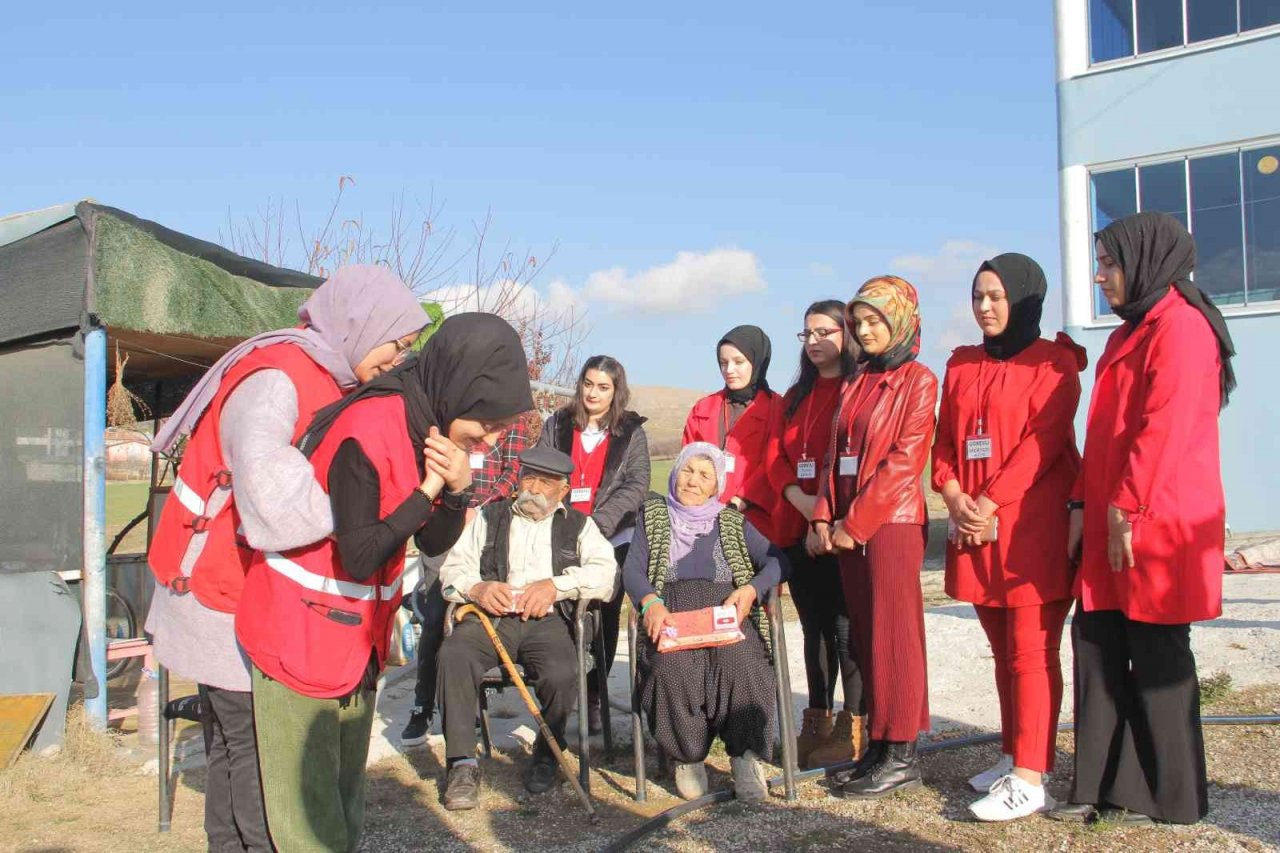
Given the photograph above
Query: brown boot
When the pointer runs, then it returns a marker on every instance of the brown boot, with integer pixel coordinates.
(848, 740)
(815, 731)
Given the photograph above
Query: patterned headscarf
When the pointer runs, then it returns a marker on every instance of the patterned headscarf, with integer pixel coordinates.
(896, 301)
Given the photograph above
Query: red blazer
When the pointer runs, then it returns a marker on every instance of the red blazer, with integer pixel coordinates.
(893, 457)
(808, 431)
(1151, 448)
(747, 442)
(1028, 406)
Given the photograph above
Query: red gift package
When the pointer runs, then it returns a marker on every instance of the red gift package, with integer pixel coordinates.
(701, 629)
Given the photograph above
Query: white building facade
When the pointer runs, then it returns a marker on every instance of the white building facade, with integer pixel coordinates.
(1174, 105)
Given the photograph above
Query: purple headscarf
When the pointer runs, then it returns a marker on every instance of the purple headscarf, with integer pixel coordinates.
(359, 308)
(690, 522)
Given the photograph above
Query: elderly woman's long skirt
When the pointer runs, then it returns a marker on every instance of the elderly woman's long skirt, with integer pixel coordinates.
(692, 696)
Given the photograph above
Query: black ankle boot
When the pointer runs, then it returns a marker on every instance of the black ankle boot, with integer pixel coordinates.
(897, 770)
(875, 749)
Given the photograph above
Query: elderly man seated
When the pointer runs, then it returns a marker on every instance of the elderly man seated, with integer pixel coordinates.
(523, 561)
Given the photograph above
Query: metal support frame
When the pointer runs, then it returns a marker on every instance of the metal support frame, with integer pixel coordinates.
(95, 516)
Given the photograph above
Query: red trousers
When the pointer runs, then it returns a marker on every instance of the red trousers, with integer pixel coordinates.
(886, 618)
(1025, 642)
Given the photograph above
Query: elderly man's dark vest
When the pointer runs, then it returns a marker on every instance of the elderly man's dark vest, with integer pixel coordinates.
(566, 527)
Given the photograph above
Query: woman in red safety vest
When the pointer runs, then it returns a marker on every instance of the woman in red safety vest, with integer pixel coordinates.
(242, 485)
(316, 621)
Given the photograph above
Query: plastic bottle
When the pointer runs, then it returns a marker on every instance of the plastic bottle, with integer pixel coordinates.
(408, 641)
(148, 707)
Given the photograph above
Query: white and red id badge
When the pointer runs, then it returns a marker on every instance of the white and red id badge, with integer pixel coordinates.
(580, 495)
(477, 460)
(730, 462)
(848, 466)
(977, 447)
(806, 469)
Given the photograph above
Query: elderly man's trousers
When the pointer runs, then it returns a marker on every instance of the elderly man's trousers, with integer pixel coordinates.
(543, 647)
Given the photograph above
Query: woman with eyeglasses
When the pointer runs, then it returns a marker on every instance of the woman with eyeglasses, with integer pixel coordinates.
(739, 419)
(796, 458)
(243, 485)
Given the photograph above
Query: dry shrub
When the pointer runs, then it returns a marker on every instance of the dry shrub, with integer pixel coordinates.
(86, 755)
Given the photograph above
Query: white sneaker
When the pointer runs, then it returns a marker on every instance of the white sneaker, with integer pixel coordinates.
(749, 783)
(691, 780)
(984, 780)
(1010, 798)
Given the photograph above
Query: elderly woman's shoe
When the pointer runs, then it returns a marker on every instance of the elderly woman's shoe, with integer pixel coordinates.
(749, 784)
(875, 749)
(691, 779)
(897, 770)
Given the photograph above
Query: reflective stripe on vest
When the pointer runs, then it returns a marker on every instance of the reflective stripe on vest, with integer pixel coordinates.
(188, 497)
(330, 586)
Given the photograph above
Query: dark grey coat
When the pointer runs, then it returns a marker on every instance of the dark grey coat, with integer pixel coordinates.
(626, 467)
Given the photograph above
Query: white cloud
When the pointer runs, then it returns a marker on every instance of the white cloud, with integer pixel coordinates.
(951, 266)
(959, 330)
(513, 300)
(694, 281)
(821, 270)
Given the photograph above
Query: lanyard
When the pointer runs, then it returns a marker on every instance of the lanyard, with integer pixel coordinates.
(860, 398)
(724, 423)
(810, 418)
(984, 399)
(580, 455)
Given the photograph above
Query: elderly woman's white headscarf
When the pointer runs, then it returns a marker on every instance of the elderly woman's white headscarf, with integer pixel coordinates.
(688, 523)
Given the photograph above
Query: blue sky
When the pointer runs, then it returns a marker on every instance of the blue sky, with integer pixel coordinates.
(696, 165)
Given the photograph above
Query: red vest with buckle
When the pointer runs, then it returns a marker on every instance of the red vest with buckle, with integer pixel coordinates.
(304, 621)
(217, 576)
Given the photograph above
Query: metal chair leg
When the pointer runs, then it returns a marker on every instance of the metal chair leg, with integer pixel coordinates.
(637, 725)
(786, 713)
(584, 735)
(484, 723)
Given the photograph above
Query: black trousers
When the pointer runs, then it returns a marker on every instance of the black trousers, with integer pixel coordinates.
(544, 647)
(611, 613)
(430, 608)
(234, 816)
(818, 595)
(1138, 738)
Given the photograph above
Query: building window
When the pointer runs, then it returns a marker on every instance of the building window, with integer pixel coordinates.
(1124, 28)
(1230, 201)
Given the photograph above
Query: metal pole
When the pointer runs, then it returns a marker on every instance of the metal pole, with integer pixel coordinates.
(165, 726)
(782, 674)
(637, 725)
(95, 516)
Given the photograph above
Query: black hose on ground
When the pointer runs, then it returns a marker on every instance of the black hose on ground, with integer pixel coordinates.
(671, 815)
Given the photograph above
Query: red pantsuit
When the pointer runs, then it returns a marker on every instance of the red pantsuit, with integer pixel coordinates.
(1020, 411)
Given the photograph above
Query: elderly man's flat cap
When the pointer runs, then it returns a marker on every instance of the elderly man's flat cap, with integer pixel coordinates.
(546, 460)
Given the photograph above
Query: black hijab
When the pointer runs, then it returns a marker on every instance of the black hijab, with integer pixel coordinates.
(754, 344)
(473, 367)
(1025, 288)
(1156, 252)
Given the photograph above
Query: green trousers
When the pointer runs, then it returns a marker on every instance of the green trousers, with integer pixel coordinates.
(312, 755)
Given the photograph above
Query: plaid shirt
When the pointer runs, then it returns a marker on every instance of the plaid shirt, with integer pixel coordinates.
(496, 479)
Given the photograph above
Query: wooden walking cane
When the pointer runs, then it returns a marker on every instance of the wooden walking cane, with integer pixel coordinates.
(514, 674)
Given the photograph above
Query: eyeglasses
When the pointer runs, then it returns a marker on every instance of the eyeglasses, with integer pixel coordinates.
(816, 334)
(403, 351)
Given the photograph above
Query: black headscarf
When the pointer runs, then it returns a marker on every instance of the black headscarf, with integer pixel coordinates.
(1025, 288)
(474, 367)
(754, 344)
(1156, 252)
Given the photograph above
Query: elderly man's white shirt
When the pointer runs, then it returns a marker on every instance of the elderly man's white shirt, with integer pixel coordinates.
(529, 560)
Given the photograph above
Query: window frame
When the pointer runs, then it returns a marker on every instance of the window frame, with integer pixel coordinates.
(1243, 309)
(1136, 58)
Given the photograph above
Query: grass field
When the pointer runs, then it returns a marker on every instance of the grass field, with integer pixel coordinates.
(124, 501)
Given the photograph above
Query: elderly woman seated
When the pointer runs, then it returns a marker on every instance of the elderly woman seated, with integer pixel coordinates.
(691, 552)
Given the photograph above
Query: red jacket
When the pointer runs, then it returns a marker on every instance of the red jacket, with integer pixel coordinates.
(1028, 406)
(805, 434)
(1151, 449)
(303, 620)
(746, 442)
(218, 574)
(893, 456)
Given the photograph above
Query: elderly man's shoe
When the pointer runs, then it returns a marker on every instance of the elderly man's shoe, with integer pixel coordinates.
(540, 775)
(691, 779)
(1123, 817)
(897, 770)
(749, 783)
(864, 765)
(463, 789)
